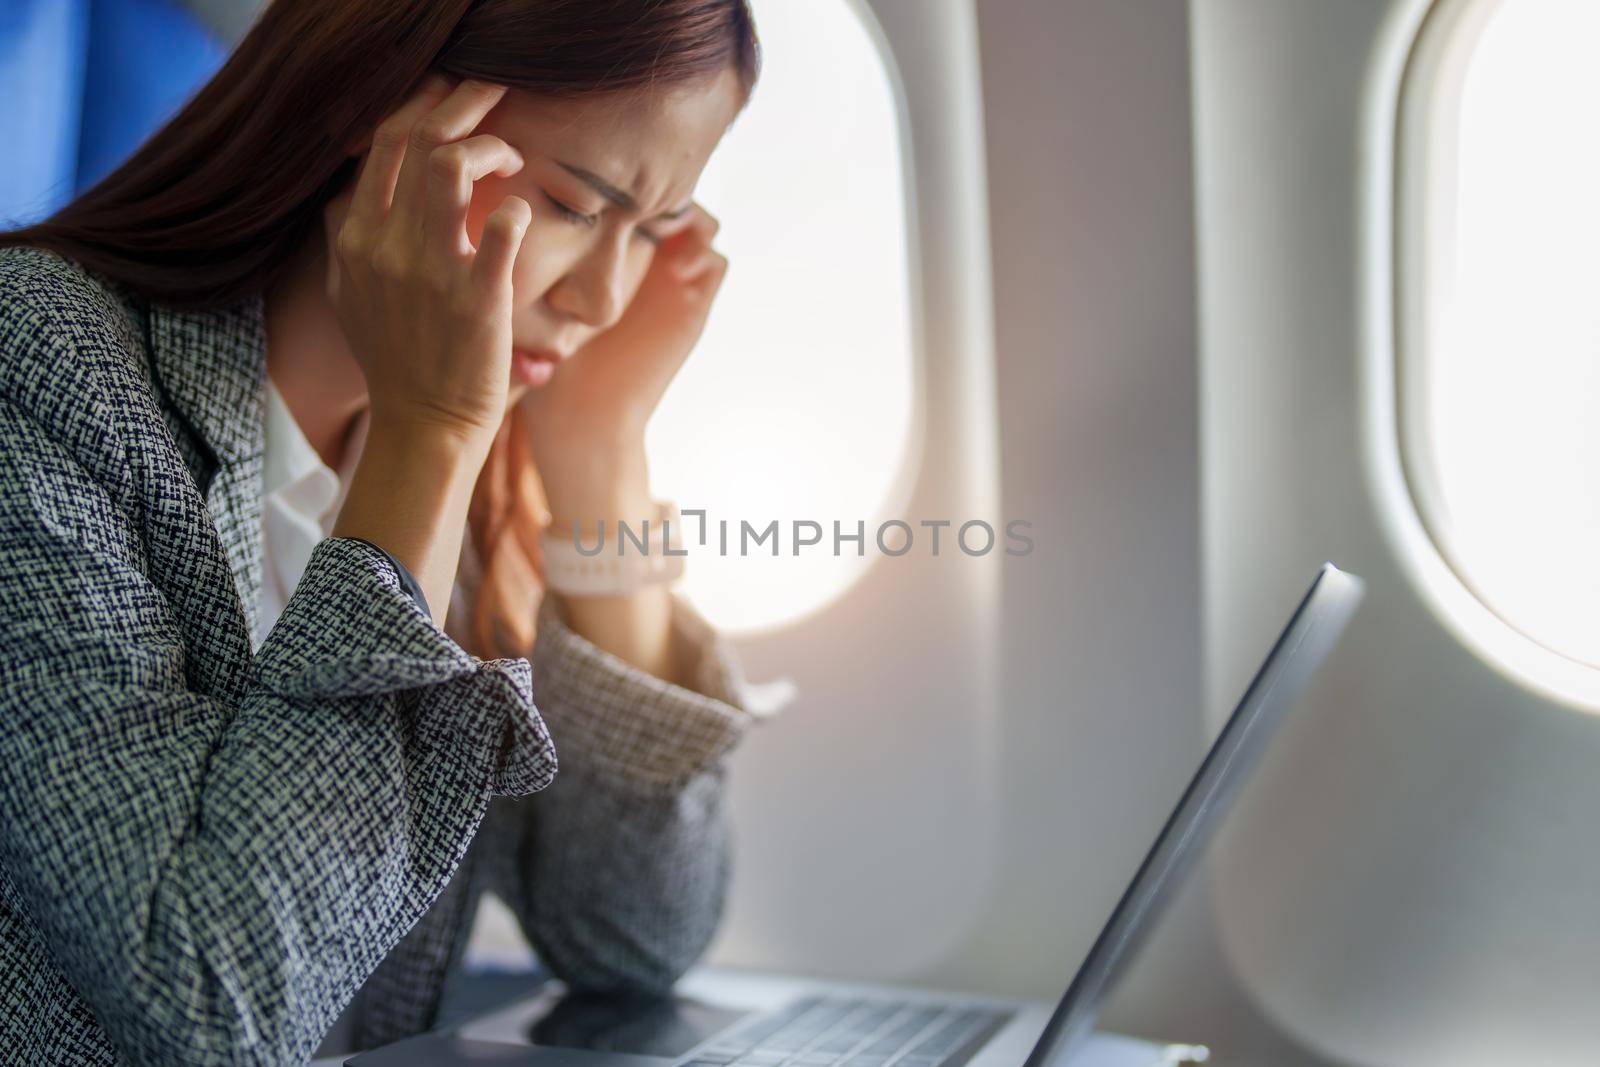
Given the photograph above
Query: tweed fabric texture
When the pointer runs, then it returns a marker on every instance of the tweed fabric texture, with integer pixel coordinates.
(206, 856)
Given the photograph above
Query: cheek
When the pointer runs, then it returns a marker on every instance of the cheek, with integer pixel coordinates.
(549, 250)
(639, 271)
(639, 260)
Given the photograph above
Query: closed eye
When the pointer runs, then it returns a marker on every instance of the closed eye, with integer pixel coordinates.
(575, 217)
(578, 218)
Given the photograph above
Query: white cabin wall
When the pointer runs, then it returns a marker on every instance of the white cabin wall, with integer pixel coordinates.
(1413, 884)
(1088, 110)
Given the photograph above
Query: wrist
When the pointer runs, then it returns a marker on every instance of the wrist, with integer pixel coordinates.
(598, 481)
(432, 449)
(409, 496)
(407, 487)
(437, 442)
(434, 433)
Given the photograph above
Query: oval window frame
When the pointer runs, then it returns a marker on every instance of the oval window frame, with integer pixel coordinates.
(1429, 46)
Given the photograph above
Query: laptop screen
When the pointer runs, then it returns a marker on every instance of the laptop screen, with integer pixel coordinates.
(1309, 636)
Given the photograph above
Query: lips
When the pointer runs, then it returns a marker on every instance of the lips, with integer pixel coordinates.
(543, 354)
(533, 367)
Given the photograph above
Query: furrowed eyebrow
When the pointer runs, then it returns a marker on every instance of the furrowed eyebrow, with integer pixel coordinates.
(616, 195)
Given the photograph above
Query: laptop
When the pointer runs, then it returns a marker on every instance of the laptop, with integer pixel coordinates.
(773, 1021)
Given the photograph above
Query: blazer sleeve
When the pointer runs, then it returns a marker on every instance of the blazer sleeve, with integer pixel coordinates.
(408, 581)
(619, 871)
(216, 877)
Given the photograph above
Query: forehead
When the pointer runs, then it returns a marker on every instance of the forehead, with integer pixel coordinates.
(653, 143)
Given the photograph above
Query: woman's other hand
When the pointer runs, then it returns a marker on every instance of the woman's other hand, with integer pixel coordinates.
(586, 425)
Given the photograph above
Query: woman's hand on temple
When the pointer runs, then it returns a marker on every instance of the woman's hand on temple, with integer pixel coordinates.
(426, 314)
(586, 425)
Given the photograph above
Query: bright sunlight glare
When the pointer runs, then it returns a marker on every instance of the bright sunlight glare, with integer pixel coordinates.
(1513, 386)
(797, 403)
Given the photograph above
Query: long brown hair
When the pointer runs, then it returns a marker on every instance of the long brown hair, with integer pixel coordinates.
(211, 208)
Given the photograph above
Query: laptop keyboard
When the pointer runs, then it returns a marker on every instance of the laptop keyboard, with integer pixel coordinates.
(851, 1032)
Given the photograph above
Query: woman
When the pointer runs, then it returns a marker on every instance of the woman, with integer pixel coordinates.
(447, 249)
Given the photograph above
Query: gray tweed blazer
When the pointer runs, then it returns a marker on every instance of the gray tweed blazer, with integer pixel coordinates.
(207, 856)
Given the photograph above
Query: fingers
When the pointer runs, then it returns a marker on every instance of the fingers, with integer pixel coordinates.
(704, 285)
(695, 258)
(702, 224)
(502, 237)
(451, 119)
(693, 268)
(689, 253)
(376, 180)
(453, 168)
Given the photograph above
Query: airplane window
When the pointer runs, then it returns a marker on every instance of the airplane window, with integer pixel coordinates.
(798, 403)
(1499, 381)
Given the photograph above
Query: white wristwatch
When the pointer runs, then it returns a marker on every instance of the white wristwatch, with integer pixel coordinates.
(619, 567)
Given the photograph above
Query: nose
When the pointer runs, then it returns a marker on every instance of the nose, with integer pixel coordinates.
(594, 290)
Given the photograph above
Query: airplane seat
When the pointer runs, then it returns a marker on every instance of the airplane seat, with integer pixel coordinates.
(96, 89)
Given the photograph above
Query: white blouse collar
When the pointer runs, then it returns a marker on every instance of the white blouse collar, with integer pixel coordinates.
(292, 471)
(301, 498)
